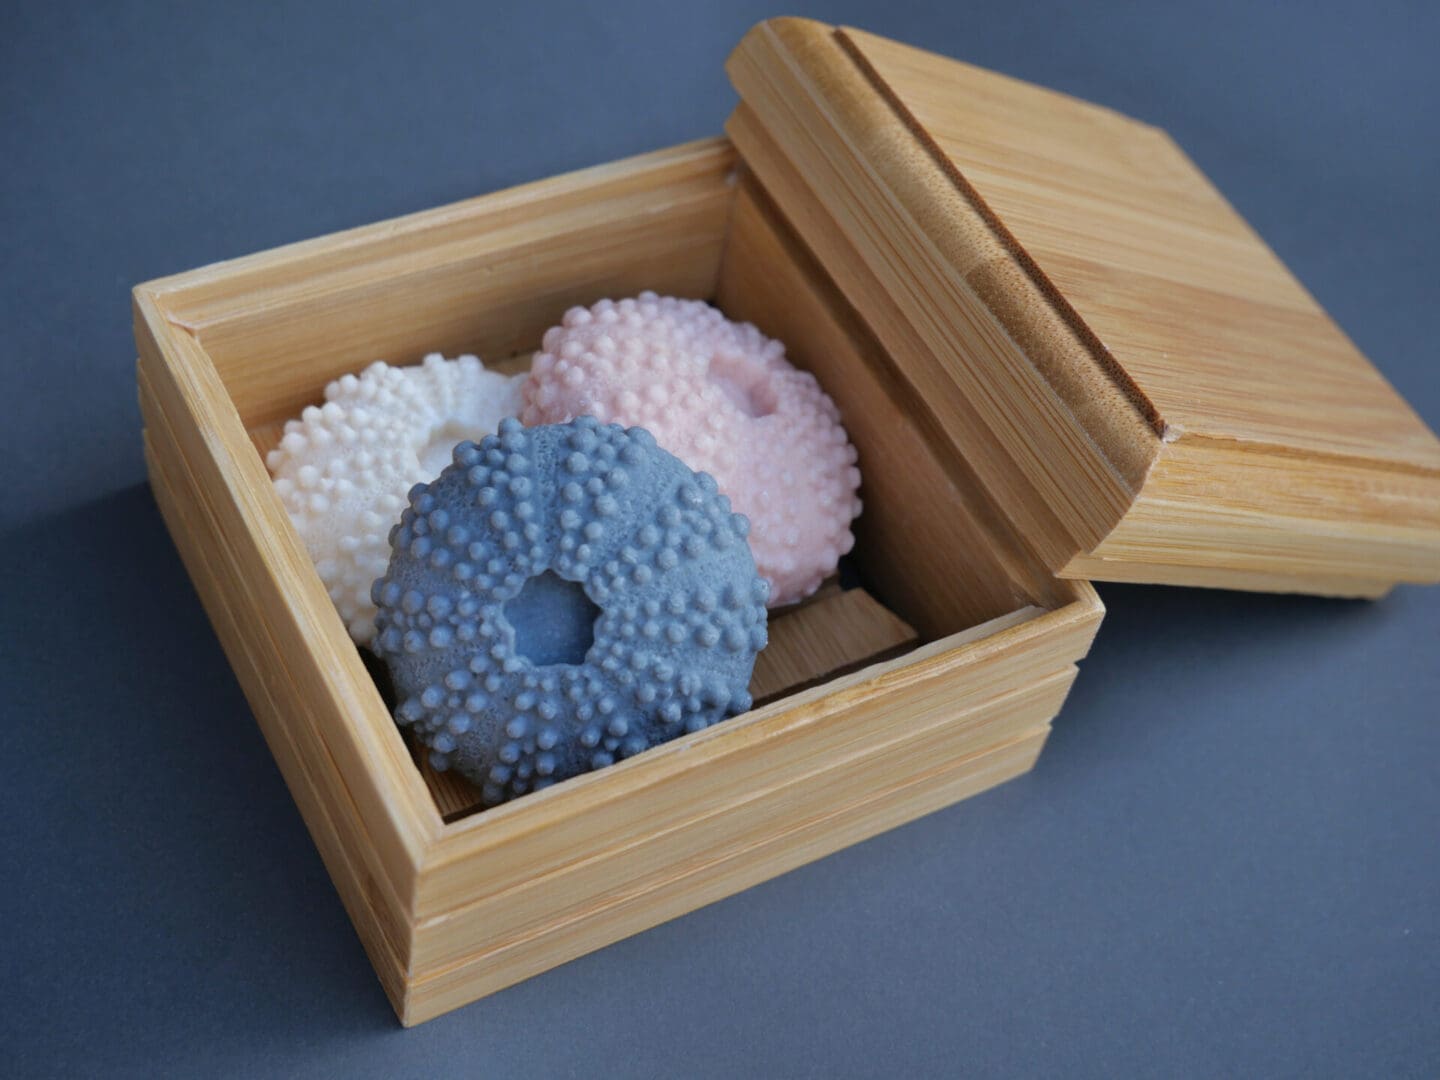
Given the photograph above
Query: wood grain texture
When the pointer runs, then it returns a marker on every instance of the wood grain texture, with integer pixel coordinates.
(765, 748)
(1117, 329)
(1189, 301)
(378, 918)
(1017, 522)
(832, 633)
(291, 618)
(917, 517)
(486, 275)
(854, 772)
(855, 739)
(707, 882)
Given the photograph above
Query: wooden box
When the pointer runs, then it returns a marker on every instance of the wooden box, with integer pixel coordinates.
(997, 466)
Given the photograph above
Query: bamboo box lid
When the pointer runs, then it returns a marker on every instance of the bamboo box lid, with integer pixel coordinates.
(1142, 386)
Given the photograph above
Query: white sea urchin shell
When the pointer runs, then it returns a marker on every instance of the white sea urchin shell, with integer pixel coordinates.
(344, 469)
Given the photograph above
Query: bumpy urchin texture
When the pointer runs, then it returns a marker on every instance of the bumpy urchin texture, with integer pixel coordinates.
(481, 562)
(343, 469)
(723, 398)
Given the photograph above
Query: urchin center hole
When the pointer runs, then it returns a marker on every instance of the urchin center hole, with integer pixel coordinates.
(439, 448)
(553, 619)
(743, 383)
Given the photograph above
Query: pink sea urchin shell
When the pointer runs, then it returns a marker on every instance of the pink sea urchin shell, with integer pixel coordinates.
(343, 469)
(721, 397)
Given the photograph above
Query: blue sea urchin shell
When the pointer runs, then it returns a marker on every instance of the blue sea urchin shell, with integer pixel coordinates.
(562, 597)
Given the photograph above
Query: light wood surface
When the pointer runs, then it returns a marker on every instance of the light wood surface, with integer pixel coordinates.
(1148, 391)
(917, 517)
(486, 276)
(869, 722)
(289, 618)
(773, 764)
(706, 882)
(1191, 304)
(832, 633)
(377, 913)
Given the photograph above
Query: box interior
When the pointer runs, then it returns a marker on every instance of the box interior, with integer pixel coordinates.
(932, 559)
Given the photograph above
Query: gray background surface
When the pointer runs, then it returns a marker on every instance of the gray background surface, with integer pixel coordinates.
(1226, 861)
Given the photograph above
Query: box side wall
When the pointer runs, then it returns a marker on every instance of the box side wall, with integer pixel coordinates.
(855, 757)
(703, 882)
(487, 276)
(930, 540)
(290, 622)
(1227, 514)
(703, 774)
(382, 927)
